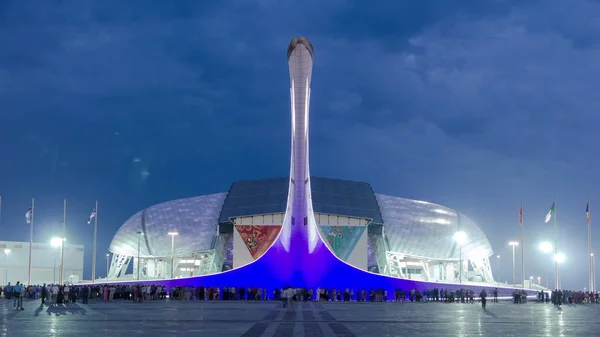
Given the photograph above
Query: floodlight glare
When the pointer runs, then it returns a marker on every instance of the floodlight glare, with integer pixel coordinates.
(460, 238)
(7, 251)
(546, 247)
(56, 242)
(513, 243)
(559, 257)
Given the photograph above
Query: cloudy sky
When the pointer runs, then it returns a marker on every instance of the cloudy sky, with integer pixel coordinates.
(471, 104)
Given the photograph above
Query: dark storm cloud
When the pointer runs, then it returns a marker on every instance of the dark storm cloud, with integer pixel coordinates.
(473, 104)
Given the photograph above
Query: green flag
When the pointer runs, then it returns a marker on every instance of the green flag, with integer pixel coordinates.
(551, 212)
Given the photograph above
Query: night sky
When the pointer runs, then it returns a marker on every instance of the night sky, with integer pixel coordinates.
(471, 104)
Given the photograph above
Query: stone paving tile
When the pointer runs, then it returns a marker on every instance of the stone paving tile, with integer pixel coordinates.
(267, 319)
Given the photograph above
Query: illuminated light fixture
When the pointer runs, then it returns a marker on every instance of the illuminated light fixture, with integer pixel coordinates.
(546, 247)
(56, 242)
(460, 238)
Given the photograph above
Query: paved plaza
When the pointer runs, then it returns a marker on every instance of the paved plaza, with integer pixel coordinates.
(337, 319)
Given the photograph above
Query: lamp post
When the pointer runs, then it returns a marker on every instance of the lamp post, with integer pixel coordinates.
(6, 253)
(460, 238)
(513, 244)
(139, 234)
(558, 258)
(172, 234)
(498, 268)
(547, 247)
(62, 244)
(530, 282)
(57, 243)
(593, 256)
(107, 255)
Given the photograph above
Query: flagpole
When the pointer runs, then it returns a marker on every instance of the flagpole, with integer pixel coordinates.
(62, 245)
(589, 225)
(30, 240)
(0, 211)
(522, 248)
(94, 247)
(554, 257)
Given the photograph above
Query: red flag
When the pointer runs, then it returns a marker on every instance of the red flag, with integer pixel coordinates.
(587, 212)
(521, 216)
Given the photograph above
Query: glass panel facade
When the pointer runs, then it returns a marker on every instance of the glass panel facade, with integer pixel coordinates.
(254, 197)
(422, 229)
(344, 197)
(194, 219)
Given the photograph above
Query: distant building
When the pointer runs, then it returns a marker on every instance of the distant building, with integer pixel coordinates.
(45, 263)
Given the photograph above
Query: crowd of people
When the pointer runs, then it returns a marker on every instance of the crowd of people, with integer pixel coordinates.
(559, 297)
(54, 294)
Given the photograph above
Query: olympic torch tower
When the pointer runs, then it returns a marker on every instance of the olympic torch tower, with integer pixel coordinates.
(299, 257)
(299, 221)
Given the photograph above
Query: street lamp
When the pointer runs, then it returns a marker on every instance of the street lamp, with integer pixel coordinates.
(56, 242)
(593, 289)
(558, 258)
(460, 238)
(6, 253)
(513, 244)
(172, 234)
(530, 282)
(107, 255)
(139, 234)
(546, 247)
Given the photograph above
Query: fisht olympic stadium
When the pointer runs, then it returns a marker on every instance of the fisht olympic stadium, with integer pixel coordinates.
(300, 229)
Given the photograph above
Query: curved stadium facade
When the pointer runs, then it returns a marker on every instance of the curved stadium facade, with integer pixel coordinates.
(300, 230)
(383, 234)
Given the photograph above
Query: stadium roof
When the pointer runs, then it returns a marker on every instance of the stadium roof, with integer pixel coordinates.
(329, 196)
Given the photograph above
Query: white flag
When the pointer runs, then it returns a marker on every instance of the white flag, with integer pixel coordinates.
(92, 216)
(550, 213)
(28, 216)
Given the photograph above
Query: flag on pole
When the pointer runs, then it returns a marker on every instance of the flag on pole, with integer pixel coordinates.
(521, 216)
(587, 212)
(28, 216)
(550, 213)
(92, 216)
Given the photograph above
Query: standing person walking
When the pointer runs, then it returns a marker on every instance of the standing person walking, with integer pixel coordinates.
(44, 294)
(18, 299)
(483, 296)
